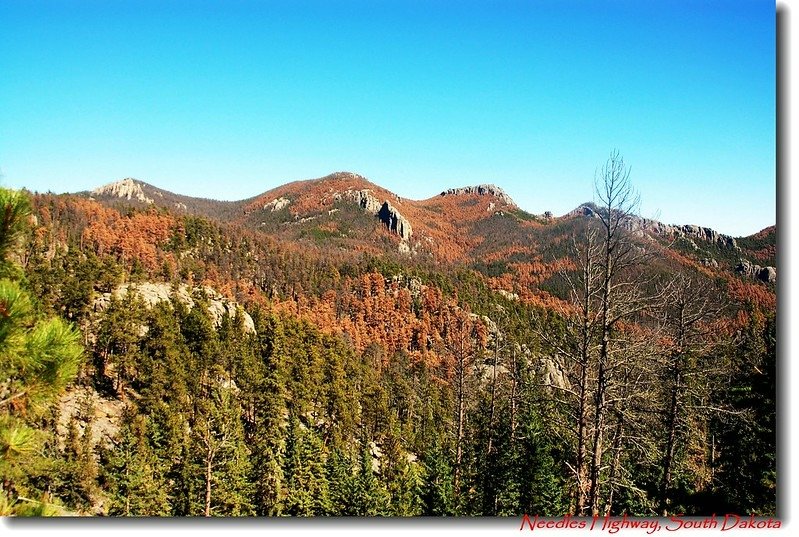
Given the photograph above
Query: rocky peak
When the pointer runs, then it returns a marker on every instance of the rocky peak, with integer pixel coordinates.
(346, 175)
(586, 209)
(355, 180)
(127, 188)
(706, 234)
(481, 190)
(638, 224)
(395, 222)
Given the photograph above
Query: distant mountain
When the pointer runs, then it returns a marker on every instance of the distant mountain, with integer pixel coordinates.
(133, 192)
(476, 225)
(346, 210)
(645, 225)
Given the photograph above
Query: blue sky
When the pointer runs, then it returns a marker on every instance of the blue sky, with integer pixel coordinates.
(229, 99)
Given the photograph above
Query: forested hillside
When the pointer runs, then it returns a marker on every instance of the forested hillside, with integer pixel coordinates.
(164, 361)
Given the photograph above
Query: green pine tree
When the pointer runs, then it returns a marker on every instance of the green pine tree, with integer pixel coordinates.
(746, 476)
(306, 482)
(133, 473)
(39, 357)
(369, 496)
(219, 447)
(264, 400)
(340, 475)
(536, 481)
(406, 489)
(438, 496)
(117, 352)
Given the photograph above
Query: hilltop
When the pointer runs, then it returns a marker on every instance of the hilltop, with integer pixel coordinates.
(478, 226)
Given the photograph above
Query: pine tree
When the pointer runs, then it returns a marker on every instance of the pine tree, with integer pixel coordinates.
(117, 352)
(535, 475)
(437, 494)
(38, 357)
(77, 470)
(746, 475)
(406, 489)
(306, 483)
(341, 482)
(218, 444)
(400, 476)
(263, 400)
(369, 496)
(166, 401)
(133, 473)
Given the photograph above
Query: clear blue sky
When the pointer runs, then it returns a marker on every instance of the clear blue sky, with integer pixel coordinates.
(229, 99)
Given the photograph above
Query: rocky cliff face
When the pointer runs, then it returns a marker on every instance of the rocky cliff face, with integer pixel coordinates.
(756, 272)
(386, 212)
(364, 199)
(704, 233)
(127, 189)
(105, 417)
(482, 190)
(395, 221)
(153, 293)
(688, 231)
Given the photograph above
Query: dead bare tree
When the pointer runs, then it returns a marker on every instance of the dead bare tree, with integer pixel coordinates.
(619, 295)
(463, 340)
(584, 294)
(686, 315)
(605, 365)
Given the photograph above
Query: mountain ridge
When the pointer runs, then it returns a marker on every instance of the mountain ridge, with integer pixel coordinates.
(126, 188)
(136, 190)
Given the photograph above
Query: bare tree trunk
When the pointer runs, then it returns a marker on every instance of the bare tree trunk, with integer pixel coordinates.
(671, 433)
(492, 411)
(597, 451)
(582, 431)
(618, 202)
(461, 372)
(601, 385)
(513, 387)
(616, 462)
(582, 405)
(208, 467)
(690, 304)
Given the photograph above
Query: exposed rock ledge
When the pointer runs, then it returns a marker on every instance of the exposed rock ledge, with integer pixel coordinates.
(153, 293)
(105, 418)
(688, 231)
(764, 274)
(277, 204)
(386, 212)
(481, 190)
(126, 188)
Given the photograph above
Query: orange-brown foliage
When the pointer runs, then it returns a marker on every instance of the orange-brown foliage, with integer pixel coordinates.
(136, 237)
(756, 294)
(370, 311)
